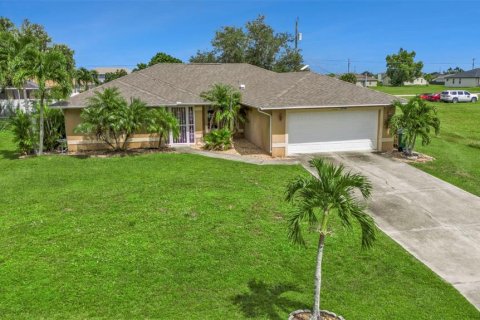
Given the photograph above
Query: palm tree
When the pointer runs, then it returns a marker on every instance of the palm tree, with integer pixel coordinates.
(163, 122)
(226, 106)
(45, 66)
(317, 199)
(417, 119)
(85, 77)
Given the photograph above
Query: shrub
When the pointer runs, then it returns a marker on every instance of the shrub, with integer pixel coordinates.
(54, 126)
(21, 124)
(219, 139)
(24, 126)
(111, 119)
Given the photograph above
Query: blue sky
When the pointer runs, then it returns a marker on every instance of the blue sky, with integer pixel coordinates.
(122, 33)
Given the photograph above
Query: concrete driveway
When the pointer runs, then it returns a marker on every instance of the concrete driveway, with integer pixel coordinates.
(435, 221)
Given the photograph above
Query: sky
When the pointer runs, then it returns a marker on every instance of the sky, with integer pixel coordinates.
(443, 33)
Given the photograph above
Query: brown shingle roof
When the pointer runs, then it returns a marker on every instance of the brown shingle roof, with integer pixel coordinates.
(172, 84)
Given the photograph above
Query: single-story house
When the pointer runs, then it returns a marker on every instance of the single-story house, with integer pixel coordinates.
(469, 78)
(386, 81)
(366, 81)
(439, 79)
(287, 113)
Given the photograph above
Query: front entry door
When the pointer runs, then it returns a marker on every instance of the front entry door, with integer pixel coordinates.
(187, 125)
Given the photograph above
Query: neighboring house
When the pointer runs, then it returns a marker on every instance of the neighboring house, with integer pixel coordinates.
(420, 81)
(102, 71)
(469, 78)
(439, 79)
(287, 113)
(386, 81)
(366, 81)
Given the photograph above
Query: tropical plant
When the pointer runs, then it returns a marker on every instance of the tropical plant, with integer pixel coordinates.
(218, 139)
(225, 104)
(318, 199)
(401, 67)
(54, 128)
(85, 78)
(110, 76)
(349, 77)
(20, 123)
(162, 122)
(416, 119)
(111, 119)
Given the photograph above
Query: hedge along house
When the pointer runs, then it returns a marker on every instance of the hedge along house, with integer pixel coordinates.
(287, 113)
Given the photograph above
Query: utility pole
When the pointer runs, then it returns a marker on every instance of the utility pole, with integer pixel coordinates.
(296, 34)
(348, 69)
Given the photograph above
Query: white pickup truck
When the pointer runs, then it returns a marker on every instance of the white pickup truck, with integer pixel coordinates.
(458, 96)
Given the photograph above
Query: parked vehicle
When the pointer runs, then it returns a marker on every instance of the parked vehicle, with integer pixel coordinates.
(433, 97)
(424, 96)
(458, 96)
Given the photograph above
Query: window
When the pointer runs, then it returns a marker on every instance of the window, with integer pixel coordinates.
(454, 93)
(453, 81)
(460, 93)
(460, 81)
(467, 93)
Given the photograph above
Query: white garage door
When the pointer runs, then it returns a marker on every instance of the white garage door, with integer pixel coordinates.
(327, 131)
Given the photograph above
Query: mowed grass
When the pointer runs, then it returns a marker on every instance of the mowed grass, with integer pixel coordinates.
(176, 236)
(457, 148)
(414, 90)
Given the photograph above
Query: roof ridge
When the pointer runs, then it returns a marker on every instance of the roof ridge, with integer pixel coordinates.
(292, 86)
(140, 89)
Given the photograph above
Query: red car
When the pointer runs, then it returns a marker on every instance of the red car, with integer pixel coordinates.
(433, 97)
(424, 96)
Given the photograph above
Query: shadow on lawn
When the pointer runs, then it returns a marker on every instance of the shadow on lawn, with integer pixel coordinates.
(9, 154)
(266, 300)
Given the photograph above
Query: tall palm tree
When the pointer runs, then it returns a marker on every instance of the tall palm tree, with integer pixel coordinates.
(45, 66)
(317, 199)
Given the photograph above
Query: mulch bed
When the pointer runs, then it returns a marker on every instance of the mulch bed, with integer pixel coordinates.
(126, 153)
(416, 157)
(307, 315)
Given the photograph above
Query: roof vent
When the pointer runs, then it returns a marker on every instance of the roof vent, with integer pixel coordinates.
(242, 86)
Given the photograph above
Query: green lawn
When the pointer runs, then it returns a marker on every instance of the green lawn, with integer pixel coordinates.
(414, 90)
(457, 148)
(176, 236)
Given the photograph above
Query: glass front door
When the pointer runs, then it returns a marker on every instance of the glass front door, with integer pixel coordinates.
(187, 125)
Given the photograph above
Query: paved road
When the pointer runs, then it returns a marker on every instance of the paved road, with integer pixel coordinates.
(434, 220)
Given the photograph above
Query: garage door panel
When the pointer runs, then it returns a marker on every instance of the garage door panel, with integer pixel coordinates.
(327, 131)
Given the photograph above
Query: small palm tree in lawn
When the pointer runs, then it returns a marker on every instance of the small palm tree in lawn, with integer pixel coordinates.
(416, 119)
(317, 199)
(163, 122)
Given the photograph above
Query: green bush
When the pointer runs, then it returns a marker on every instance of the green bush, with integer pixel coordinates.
(54, 126)
(24, 126)
(219, 139)
(21, 124)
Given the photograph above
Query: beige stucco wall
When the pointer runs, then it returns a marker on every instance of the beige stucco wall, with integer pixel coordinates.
(462, 82)
(84, 142)
(257, 129)
(279, 138)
